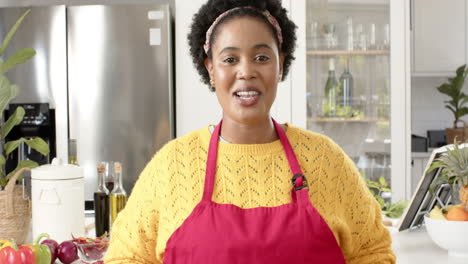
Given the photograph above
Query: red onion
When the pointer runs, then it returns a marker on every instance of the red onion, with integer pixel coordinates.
(67, 252)
(53, 246)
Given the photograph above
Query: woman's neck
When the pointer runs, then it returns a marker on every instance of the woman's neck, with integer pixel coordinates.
(239, 133)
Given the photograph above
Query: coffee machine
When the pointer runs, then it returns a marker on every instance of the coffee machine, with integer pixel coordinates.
(38, 121)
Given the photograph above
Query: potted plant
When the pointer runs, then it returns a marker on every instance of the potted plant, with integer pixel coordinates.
(15, 214)
(458, 99)
(377, 188)
(454, 165)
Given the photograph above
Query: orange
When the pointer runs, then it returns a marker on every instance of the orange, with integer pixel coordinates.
(457, 214)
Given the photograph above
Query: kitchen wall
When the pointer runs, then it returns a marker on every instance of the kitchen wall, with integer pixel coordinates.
(196, 106)
(428, 110)
(436, 51)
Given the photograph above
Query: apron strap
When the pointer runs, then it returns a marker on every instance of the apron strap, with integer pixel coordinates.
(211, 163)
(293, 163)
(298, 179)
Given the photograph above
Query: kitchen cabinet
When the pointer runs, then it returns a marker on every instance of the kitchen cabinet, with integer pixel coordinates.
(371, 39)
(439, 30)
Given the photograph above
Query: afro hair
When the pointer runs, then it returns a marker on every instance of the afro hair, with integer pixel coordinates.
(208, 13)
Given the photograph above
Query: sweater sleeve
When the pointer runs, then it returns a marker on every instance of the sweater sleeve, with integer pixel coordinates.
(134, 232)
(370, 240)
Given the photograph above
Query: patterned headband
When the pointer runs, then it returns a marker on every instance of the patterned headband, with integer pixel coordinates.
(267, 14)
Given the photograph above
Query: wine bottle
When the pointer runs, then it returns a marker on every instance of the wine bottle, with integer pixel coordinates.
(346, 85)
(118, 196)
(72, 152)
(330, 90)
(101, 203)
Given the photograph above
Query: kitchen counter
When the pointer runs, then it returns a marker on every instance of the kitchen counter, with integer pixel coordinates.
(416, 246)
(410, 247)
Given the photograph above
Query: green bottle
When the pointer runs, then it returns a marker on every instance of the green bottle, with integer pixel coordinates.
(346, 86)
(331, 90)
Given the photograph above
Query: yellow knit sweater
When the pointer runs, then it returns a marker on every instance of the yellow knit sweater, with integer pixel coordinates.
(248, 176)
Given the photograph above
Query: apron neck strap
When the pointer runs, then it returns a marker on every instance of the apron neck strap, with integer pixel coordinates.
(211, 163)
(293, 163)
(213, 155)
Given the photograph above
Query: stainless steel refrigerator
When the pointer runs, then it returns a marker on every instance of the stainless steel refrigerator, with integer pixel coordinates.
(120, 89)
(118, 93)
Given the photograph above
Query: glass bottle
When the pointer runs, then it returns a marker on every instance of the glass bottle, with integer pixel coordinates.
(349, 23)
(330, 36)
(330, 90)
(72, 152)
(372, 43)
(109, 178)
(101, 203)
(386, 41)
(314, 35)
(346, 85)
(118, 196)
(361, 38)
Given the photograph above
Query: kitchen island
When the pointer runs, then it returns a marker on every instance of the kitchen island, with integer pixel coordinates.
(410, 247)
(415, 246)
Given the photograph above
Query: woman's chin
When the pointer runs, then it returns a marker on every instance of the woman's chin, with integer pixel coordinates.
(251, 118)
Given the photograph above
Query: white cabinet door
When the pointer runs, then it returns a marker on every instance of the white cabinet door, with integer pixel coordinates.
(378, 136)
(439, 36)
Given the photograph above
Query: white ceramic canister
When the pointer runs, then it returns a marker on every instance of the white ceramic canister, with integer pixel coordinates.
(57, 194)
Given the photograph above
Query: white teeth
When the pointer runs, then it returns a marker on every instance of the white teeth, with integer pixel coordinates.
(247, 94)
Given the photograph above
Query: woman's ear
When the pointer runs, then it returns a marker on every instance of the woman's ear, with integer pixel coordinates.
(209, 67)
(281, 61)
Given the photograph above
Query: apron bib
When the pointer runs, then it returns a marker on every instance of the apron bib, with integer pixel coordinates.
(226, 234)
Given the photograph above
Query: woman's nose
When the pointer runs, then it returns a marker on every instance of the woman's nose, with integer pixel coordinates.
(246, 70)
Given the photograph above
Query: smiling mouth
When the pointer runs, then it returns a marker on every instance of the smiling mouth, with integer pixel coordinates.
(247, 94)
(247, 98)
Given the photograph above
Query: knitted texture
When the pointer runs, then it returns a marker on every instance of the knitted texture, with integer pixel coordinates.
(248, 175)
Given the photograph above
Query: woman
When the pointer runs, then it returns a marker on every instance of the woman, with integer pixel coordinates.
(248, 190)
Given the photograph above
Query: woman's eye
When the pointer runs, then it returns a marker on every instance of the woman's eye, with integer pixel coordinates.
(229, 60)
(262, 58)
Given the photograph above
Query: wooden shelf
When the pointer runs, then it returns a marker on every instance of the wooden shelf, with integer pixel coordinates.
(347, 52)
(344, 119)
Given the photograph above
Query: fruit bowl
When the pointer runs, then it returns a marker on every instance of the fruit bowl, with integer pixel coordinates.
(92, 252)
(449, 235)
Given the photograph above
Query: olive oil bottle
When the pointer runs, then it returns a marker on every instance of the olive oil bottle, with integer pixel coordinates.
(101, 203)
(72, 152)
(329, 108)
(118, 196)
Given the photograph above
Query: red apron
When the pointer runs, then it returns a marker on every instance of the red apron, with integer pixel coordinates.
(227, 234)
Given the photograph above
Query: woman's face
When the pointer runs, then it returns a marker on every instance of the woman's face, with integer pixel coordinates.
(246, 67)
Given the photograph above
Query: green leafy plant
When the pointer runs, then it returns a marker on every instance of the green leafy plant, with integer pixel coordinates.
(392, 210)
(458, 99)
(8, 92)
(454, 165)
(341, 111)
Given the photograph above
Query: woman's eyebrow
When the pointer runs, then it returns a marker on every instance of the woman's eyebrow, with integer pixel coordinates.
(257, 46)
(260, 46)
(228, 49)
